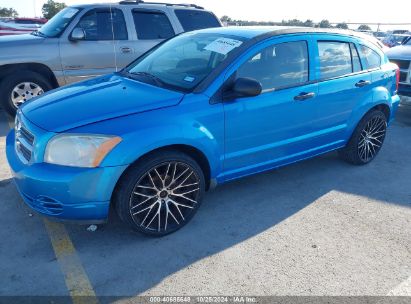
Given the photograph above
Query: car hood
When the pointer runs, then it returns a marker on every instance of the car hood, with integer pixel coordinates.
(400, 52)
(95, 100)
(24, 40)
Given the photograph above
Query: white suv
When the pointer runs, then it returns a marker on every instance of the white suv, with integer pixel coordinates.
(84, 41)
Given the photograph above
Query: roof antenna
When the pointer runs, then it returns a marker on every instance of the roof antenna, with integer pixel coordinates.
(113, 40)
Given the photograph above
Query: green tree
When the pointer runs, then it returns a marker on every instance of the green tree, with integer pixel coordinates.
(308, 23)
(324, 24)
(225, 18)
(51, 8)
(342, 25)
(8, 12)
(364, 27)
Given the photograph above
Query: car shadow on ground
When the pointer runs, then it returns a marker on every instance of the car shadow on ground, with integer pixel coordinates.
(238, 211)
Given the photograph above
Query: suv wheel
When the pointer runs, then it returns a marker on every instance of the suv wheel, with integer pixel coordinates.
(20, 87)
(161, 193)
(366, 140)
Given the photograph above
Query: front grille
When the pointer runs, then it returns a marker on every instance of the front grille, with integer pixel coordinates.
(403, 76)
(402, 64)
(24, 141)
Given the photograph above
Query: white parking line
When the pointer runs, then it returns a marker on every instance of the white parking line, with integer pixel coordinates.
(404, 289)
(76, 279)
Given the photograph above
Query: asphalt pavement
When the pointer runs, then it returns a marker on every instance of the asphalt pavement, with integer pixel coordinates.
(318, 227)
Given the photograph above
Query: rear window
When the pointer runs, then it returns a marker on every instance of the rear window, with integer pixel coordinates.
(370, 57)
(195, 19)
(152, 25)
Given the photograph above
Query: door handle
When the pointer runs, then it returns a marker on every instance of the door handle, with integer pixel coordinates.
(303, 96)
(126, 49)
(362, 83)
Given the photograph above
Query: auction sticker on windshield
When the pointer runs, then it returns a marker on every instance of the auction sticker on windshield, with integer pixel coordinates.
(223, 45)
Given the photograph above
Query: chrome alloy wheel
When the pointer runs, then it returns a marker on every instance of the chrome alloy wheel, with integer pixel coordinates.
(25, 91)
(371, 138)
(165, 197)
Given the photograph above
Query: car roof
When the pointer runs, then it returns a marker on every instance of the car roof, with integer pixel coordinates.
(139, 4)
(255, 31)
(263, 32)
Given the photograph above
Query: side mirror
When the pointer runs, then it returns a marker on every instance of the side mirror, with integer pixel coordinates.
(243, 87)
(77, 34)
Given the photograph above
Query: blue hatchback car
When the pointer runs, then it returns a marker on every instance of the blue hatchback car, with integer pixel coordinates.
(200, 109)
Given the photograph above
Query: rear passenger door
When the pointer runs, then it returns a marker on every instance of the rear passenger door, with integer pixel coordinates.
(152, 27)
(343, 85)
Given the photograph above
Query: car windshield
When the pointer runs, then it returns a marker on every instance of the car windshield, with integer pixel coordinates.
(184, 61)
(56, 25)
(407, 41)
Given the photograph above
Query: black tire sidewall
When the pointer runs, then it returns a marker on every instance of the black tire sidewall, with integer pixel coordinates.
(10, 82)
(350, 152)
(127, 182)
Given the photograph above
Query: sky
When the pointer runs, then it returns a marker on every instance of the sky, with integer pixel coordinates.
(361, 11)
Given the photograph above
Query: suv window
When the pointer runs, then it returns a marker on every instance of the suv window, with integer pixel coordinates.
(101, 24)
(281, 65)
(195, 20)
(152, 25)
(371, 58)
(335, 59)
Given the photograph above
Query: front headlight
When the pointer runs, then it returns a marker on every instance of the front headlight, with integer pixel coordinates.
(79, 150)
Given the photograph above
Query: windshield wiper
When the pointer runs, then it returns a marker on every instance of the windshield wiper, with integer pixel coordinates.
(156, 80)
(39, 34)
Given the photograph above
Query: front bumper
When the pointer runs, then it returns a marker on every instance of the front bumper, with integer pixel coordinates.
(404, 89)
(65, 193)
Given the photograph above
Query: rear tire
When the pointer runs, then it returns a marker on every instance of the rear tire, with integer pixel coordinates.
(160, 193)
(367, 139)
(19, 87)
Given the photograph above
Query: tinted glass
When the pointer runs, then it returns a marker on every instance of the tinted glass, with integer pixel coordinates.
(371, 58)
(184, 61)
(356, 63)
(335, 59)
(152, 25)
(277, 66)
(56, 25)
(194, 20)
(104, 25)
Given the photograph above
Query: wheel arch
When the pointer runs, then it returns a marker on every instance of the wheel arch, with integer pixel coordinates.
(383, 108)
(355, 119)
(195, 153)
(40, 68)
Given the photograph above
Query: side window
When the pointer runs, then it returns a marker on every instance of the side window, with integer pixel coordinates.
(370, 57)
(195, 20)
(152, 25)
(104, 24)
(335, 59)
(281, 65)
(356, 63)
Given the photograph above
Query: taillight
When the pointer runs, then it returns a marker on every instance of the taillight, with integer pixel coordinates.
(397, 79)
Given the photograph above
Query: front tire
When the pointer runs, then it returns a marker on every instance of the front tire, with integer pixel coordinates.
(19, 87)
(160, 193)
(367, 139)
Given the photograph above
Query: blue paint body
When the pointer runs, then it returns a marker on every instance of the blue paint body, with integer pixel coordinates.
(238, 138)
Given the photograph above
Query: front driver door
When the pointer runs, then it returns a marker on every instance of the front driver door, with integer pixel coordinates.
(104, 29)
(278, 126)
